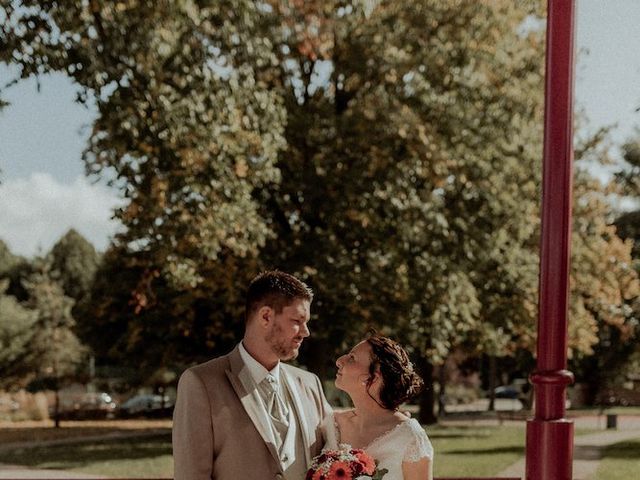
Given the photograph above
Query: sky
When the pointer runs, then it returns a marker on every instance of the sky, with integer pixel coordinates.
(44, 192)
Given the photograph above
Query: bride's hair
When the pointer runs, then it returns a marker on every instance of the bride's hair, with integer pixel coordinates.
(400, 382)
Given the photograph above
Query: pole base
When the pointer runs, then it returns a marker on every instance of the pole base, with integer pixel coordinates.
(549, 449)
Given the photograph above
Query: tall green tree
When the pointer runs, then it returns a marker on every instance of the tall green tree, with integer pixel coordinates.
(76, 261)
(16, 332)
(39, 346)
(55, 354)
(16, 323)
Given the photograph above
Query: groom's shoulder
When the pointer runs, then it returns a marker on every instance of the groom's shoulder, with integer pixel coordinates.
(215, 366)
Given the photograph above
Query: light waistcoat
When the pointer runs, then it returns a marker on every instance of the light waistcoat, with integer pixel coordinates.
(292, 452)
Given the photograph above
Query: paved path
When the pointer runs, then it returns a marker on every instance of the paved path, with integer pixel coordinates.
(586, 454)
(19, 472)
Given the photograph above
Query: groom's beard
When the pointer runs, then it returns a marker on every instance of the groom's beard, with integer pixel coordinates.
(283, 348)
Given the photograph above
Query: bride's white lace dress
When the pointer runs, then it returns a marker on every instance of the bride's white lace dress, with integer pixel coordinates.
(406, 442)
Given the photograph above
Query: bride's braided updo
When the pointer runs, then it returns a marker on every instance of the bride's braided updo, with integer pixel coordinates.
(400, 382)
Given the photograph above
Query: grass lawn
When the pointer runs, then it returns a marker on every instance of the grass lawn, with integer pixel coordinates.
(460, 451)
(620, 461)
(44, 431)
(131, 457)
(475, 451)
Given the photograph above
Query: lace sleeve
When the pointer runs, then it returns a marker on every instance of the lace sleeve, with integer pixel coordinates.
(419, 446)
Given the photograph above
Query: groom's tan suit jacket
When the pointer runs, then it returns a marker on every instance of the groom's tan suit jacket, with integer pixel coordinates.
(220, 430)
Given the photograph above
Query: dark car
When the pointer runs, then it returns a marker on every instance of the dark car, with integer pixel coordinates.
(507, 391)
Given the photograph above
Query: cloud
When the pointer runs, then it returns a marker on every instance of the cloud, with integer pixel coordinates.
(35, 212)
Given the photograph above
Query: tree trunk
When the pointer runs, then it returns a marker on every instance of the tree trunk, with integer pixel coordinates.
(492, 383)
(427, 399)
(56, 411)
(442, 383)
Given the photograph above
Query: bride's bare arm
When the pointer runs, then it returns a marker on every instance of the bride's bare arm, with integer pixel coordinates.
(420, 470)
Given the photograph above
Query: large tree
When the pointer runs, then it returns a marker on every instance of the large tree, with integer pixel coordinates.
(187, 131)
(617, 350)
(186, 126)
(405, 169)
(387, 152)
(405, 147)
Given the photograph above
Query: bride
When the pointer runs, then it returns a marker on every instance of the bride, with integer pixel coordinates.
(379, 377)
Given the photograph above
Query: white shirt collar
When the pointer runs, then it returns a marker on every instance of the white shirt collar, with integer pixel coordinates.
(256, 369)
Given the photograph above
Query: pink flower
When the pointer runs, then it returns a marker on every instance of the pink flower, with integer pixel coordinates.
(368, 464)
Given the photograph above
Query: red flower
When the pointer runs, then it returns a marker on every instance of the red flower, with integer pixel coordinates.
(357, 468)
(339, 471)
(318, 476)
(368, 464)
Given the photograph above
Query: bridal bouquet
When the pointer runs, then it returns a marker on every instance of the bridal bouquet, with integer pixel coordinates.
(345, 463)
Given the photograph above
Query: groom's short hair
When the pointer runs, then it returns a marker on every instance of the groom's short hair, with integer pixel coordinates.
(275, 289)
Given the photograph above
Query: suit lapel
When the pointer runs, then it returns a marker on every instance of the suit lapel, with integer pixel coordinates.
(295, 388)
(247, 392)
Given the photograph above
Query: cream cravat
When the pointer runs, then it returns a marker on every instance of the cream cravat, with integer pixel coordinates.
(276, 407)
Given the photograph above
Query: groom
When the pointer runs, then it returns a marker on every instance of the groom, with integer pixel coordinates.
(246, 415)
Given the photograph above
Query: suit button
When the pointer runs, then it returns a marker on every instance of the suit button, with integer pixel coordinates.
(279, 476)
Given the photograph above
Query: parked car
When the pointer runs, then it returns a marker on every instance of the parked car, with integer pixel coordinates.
(507, 391)
(92, 405)
(521, 391)
(618, 396)
(146, 404)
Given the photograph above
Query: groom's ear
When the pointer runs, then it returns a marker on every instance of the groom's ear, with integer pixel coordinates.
(265, 315)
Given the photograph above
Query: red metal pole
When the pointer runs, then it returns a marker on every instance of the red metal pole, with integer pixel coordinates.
(549, 434)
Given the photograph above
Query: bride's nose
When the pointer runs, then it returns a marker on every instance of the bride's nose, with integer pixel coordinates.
(339, 362)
